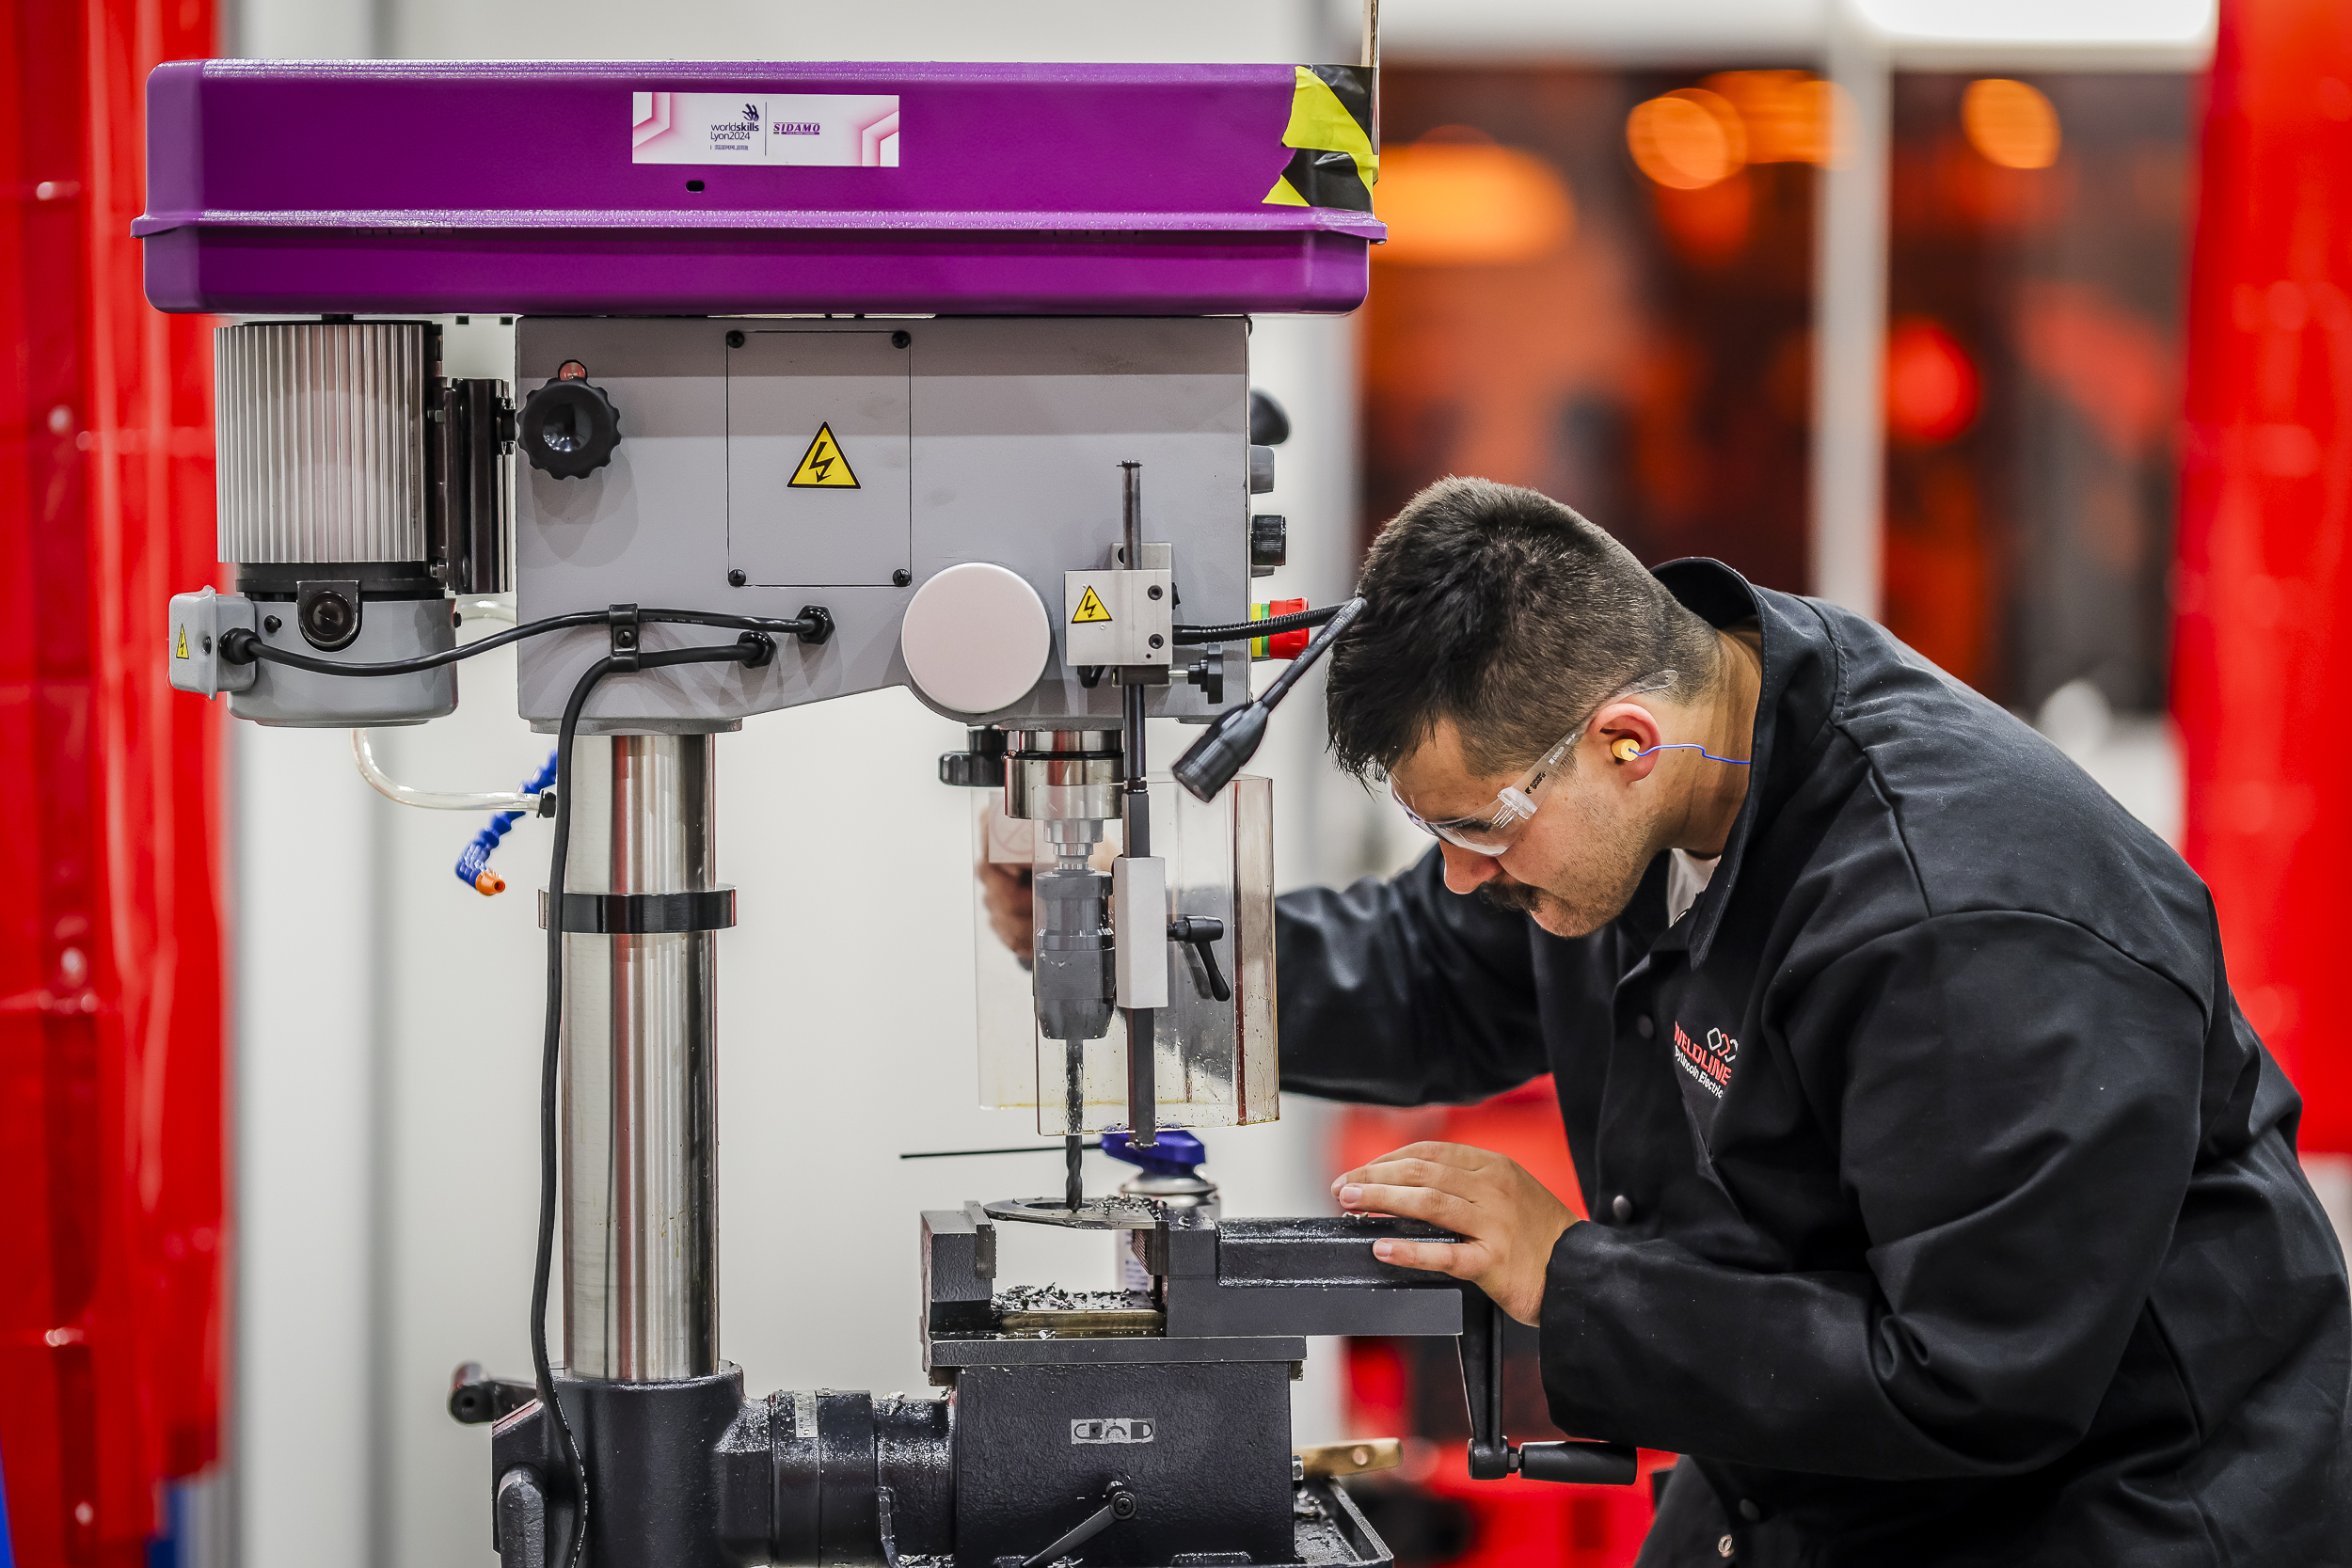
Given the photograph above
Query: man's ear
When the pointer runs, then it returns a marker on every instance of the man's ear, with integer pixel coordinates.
(1628, 735)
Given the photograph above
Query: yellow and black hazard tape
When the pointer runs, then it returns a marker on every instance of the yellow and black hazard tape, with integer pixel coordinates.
(1335, 164)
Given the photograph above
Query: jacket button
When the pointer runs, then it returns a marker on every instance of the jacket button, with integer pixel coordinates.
(1749, 1511)
(1643, 1028)
(1622, 1206)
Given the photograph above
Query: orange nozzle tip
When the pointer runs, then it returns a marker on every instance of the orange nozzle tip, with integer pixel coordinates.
(489, 882)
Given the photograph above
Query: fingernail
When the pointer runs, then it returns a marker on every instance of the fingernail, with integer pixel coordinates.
(1350, 1197)
(1382, 1249)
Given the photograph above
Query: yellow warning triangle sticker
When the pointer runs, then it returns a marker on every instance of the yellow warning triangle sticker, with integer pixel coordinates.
(1090, 608)
(182, 651)
(822, 467)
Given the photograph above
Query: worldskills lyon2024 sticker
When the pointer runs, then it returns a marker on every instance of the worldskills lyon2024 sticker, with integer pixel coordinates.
(826, 130)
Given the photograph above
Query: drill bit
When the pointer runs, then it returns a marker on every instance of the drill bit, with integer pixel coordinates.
(1074, 1141)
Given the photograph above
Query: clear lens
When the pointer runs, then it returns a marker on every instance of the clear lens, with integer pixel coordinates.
(1488, 837)
(1516, 806)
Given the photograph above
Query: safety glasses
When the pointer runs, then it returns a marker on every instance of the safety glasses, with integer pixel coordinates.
(1499, 828)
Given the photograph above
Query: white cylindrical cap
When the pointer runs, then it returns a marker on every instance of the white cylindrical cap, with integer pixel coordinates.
(975, 638)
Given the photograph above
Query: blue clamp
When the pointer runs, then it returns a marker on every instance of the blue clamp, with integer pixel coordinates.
(473, 866)
(1177, 1153)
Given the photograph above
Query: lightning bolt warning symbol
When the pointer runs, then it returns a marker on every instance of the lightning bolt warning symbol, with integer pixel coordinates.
(822, 467)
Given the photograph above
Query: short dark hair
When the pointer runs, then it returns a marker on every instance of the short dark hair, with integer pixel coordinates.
(1506, 612)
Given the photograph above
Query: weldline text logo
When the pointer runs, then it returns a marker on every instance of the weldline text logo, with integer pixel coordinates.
(1709, 1064)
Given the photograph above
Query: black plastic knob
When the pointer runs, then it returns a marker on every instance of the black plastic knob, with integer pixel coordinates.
(570, 428)
(1269, 543)
(327, 614)
(980, 767)
(1269, 422)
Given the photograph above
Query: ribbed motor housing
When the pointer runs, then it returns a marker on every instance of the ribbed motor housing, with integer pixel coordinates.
(320, 439)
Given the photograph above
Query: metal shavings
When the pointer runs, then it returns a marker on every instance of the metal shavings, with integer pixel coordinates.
(1053, 1298)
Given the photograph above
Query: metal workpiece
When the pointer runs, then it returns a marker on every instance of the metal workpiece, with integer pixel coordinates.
(1229, 1288)
(640, 1177)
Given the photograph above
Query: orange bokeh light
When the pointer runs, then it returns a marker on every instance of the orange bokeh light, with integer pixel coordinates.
(2009, 123)
(1788, 114)
(1687, 139)
(1450, 200)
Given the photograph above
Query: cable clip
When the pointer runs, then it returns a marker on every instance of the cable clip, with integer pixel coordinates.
(622, 619)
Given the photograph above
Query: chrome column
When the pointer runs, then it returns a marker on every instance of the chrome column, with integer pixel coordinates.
(640, 1159)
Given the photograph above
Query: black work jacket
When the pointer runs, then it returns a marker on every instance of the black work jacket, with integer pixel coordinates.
(1945, 1207)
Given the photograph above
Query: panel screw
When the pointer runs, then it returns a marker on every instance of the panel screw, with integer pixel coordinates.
(208, 642)
(270, 624)
(900, 340)
(1152, 591)
(901, 578)
(734, 340)
(735, 578)
(1156, 640)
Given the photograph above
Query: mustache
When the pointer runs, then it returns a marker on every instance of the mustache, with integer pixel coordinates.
(1517, 897)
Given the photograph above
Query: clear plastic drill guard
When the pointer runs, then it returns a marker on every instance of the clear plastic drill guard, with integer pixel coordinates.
(1218, 1062)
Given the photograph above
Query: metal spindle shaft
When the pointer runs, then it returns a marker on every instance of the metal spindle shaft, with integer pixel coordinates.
(1142, 1088)
(640, 1198)
(1073, 1141)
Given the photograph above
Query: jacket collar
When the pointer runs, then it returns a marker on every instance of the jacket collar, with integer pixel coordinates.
(1792, 706)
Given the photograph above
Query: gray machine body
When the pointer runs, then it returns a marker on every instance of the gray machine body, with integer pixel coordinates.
(993, 440)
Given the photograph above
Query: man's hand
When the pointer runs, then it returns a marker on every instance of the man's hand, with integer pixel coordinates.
(1509, 1219)
(1005, 893)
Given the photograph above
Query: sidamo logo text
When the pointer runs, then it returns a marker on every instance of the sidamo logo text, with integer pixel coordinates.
(1113, 1428)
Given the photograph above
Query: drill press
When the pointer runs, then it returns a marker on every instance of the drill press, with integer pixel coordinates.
(796, 345)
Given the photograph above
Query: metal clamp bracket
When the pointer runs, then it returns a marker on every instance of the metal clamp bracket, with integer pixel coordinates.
(622, 619)
(644, 914)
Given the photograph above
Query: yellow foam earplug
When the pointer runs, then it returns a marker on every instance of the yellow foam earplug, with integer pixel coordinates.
(1627, 749)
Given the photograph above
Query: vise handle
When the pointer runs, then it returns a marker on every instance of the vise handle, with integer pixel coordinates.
(1494, 1456)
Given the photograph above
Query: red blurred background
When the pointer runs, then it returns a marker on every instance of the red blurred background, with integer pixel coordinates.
(111, 963)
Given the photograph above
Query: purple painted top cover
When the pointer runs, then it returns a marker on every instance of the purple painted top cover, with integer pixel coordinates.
(662, 188)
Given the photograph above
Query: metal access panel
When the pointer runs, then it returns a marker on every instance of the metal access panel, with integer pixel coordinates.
(1015, 429)
(818, 457)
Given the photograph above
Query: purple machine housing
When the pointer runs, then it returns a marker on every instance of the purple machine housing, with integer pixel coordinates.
(527, 188)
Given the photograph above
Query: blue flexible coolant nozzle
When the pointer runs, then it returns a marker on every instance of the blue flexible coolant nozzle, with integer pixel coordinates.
(473, 866)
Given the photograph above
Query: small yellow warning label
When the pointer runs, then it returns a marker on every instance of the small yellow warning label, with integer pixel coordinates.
(822, 467)
(1090, 608)
(182, 651)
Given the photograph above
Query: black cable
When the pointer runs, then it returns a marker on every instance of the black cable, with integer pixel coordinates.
(240, 646)
(1338, 615)
(1213, 760)
(1234, 631)
(750, 650)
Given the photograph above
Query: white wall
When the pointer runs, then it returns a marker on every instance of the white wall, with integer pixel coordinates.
(307, 952)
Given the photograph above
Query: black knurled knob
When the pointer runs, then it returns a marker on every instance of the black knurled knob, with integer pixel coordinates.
(1269, 541)
(568, 429)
